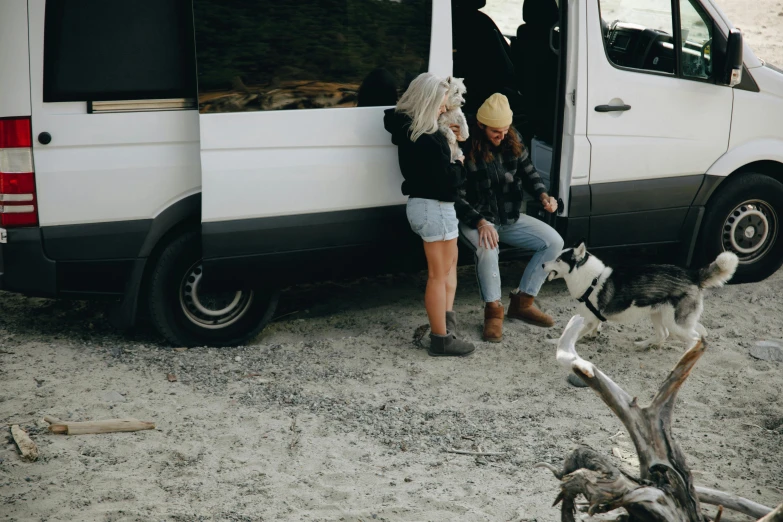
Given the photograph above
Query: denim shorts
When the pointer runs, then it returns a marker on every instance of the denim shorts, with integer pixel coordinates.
(433, 220)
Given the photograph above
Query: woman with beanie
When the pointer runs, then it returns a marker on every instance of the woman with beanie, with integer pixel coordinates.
(432, 183)
(498, 170)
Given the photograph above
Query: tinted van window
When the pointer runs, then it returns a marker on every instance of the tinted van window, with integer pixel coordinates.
(259, 55)
(98, 50)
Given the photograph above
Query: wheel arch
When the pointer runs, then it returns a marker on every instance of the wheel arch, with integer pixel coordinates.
(173, 221)
(713, 182)
(758, 151)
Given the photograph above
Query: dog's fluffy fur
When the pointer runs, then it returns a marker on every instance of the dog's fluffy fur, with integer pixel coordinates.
(455, 99)
(671, 296)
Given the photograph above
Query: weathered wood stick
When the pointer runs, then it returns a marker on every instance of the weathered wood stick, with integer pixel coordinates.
(26, 446)
(732, 502)
(775, 516)
(103, 426)
(475, 453)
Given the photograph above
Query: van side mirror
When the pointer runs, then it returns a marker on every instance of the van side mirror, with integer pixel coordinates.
(734, 58)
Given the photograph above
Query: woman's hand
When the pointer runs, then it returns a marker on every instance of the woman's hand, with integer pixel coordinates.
(455, 129)
(550, 203)
(488, 236)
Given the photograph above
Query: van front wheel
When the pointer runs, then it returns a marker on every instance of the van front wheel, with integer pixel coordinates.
(187, 316)
(744, 217)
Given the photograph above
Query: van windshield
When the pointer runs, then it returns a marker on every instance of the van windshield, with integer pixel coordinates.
(652, 14)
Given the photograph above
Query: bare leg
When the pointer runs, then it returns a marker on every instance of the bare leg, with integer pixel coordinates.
(451, 281)
(439, 261)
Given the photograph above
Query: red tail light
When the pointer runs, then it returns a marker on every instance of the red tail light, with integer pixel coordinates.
(18, 204)
(15, 132)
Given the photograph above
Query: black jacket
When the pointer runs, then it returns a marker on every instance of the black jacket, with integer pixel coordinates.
(426, 163)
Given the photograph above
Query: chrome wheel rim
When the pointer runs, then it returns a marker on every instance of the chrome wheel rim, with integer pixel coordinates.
(211, 310)
(750, 230)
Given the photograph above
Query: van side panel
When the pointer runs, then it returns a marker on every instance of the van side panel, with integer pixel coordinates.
(14, 59)
(755, 126)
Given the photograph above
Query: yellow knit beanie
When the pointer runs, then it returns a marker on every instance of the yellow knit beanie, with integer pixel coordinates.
(495, 112)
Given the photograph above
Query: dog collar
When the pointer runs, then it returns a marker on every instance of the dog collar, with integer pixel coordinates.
(585, 299)
(583, 260)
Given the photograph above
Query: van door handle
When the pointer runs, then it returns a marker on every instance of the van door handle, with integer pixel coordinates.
(612, 108)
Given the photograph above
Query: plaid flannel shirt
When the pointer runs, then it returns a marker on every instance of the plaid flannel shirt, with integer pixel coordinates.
(494, 190)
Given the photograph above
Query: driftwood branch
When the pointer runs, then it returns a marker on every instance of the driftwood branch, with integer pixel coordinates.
(714, 497)
(775, 516)
(103, 426)
(664, 490)
(663, 402)
(27, 447)
(614, 396)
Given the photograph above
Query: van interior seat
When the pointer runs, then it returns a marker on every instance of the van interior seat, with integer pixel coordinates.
(482, 55)
(536, 65)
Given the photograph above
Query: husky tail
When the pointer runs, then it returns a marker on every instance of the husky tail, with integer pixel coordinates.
(719, 272)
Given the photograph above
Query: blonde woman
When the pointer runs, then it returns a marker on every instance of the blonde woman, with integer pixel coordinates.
(431, 184)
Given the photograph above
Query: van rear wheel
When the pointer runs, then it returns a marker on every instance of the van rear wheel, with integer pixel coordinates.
(187, 316)
(744, 217)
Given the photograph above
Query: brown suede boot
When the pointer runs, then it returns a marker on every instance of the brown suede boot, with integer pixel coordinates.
(522, 308)
(493, 322)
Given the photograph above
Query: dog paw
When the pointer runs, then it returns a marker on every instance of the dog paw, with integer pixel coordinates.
(649, 343)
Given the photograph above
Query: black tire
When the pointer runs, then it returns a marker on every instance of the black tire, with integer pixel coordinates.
(177, 310)
(744, 217)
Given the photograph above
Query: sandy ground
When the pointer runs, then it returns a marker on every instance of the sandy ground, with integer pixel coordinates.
(333, 413)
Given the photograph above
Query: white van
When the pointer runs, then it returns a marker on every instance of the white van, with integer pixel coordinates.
(189, 158)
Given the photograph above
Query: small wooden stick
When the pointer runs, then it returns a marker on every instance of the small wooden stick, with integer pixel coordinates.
(474, 453)
(759, 427)
(26, 446)
(775, 516)
(731, 502)
(104, 426)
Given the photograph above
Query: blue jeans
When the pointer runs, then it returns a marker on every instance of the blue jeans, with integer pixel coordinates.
(527, 233)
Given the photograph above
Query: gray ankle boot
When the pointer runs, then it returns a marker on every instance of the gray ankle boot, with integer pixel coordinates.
(451, 322)
(448, 346)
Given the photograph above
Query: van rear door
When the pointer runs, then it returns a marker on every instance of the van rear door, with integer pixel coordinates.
(113, 140)
(299, 175)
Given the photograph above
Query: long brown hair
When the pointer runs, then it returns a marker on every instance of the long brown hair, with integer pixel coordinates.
(481, 147)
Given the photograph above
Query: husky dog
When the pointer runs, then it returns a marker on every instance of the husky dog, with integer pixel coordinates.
(671, 296)
(455, 99)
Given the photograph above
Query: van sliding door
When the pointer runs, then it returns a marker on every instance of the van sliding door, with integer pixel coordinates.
(297, 170)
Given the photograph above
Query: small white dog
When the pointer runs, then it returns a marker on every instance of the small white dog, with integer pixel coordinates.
(671, 296)
(455, 99)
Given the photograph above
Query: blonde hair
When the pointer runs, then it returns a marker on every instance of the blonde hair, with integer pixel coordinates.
(421, 103)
